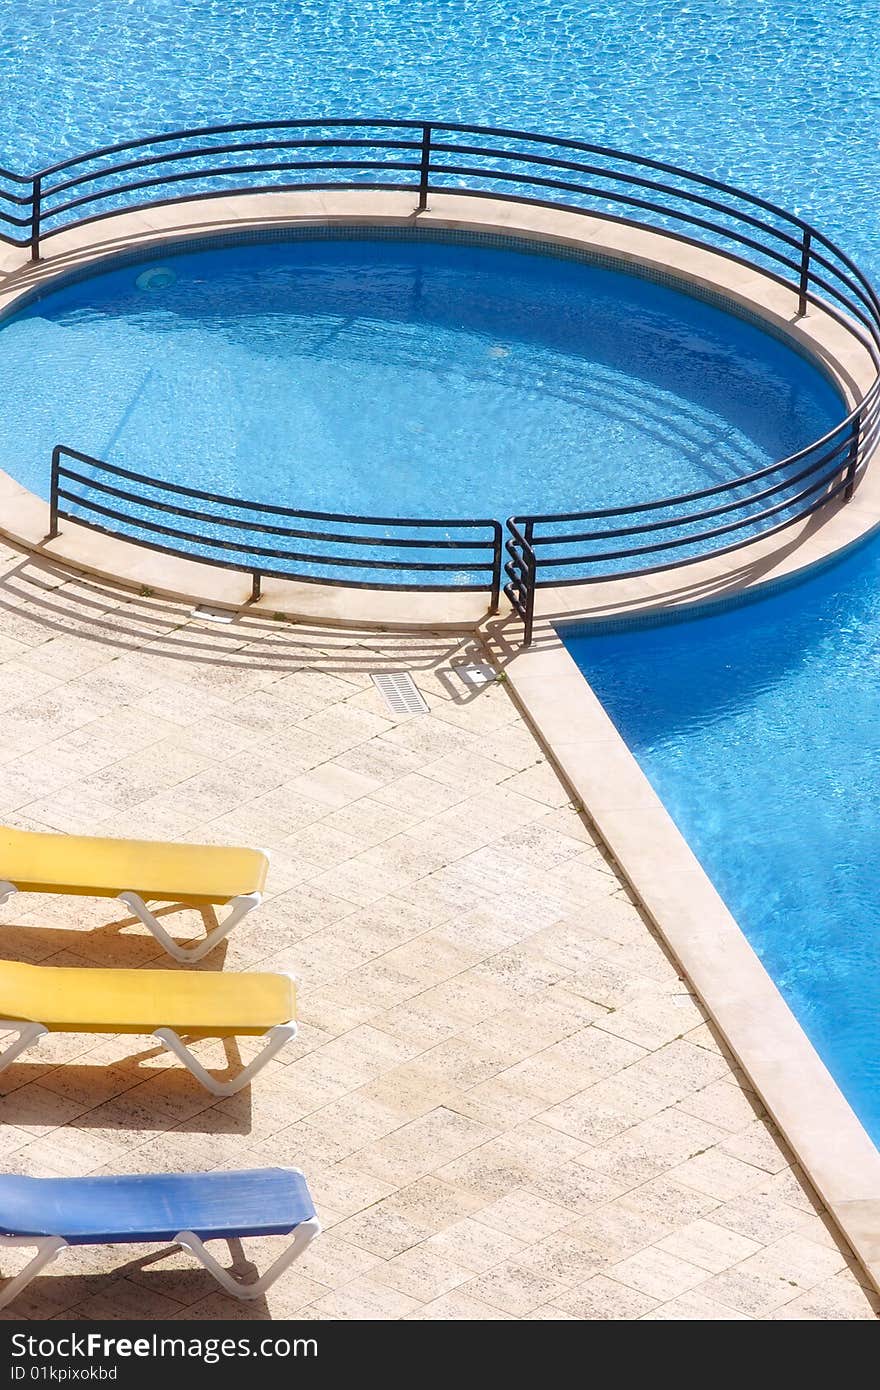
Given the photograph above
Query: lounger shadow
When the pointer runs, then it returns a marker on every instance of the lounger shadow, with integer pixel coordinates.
(105, 943)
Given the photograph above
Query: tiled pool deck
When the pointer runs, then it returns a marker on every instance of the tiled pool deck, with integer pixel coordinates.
(506, 1100)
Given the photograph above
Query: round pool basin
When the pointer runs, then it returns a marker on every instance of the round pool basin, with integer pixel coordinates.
(401, 377)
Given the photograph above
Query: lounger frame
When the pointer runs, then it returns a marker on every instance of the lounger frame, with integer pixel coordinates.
(233, 1280)
(238, 908)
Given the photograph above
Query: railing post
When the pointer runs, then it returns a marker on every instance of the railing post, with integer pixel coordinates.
(805, 273)
(424, 169)
(256, 586)
(852, 461)
(53, 494)
(497, 551)
(531, 575)
(36, 196)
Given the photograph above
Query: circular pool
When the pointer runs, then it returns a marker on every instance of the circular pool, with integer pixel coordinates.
(404, 374)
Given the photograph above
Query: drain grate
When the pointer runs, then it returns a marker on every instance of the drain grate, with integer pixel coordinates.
(401, 693)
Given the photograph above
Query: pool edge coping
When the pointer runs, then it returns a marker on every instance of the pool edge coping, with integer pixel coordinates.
(669, 884)
(833, 349)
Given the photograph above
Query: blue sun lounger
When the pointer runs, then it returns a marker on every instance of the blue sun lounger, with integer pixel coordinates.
(183, 1209)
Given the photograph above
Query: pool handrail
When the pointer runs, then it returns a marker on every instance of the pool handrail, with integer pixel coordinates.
(457, 535)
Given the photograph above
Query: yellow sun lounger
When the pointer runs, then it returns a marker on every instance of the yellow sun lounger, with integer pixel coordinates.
(137, 871)
(39, 999)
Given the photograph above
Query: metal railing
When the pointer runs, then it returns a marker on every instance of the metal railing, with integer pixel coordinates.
(402, 553)
(553, 550)
(425, 158)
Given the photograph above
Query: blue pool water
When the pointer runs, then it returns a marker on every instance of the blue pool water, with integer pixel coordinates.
(758, 728)
(779, 96)
(401, 377)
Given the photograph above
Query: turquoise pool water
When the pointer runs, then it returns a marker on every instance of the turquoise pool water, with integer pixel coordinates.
(758, 728)
(778, 96)
(401, 377)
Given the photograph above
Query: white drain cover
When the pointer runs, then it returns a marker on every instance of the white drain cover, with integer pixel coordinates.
(401, 693)
(475, 675)
(214, 615)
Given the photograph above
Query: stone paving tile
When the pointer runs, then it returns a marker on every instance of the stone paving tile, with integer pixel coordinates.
(507, 1101)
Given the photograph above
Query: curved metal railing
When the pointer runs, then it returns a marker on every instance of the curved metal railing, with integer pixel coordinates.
(691, 527)
(425, 158)
(310, 547)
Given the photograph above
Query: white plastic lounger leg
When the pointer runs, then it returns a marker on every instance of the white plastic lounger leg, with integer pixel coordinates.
(28, 1034)
(47, 1247)
(238, 908)
(305, 1233)
(276, 1038)
(6, 891)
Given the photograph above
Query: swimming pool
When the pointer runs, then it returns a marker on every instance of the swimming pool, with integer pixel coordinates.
(788, 101)
(337, 372)
(787, 94)
(757, 726)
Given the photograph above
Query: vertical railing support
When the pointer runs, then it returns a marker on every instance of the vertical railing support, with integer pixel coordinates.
(852, 461)
(522, 567)
(36, 210)
(805, 273)
(531, 572)
(256, 586)
(53, 493)
(424, 168)
(497, 553)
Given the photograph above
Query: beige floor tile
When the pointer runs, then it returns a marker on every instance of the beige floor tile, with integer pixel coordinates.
(652, 1020)
(383, 1231)
(515, 1288)
(421, 1273)
(457, 1307)
(423, 1145)
(759, 1216)
(708, 1246)
(837, 1299)
(525, 1215)
(333, 1261)
(693, 1307)
(563, 1257)
(753, 1294)
(724, 1104)
(548, 1313)
(760, 1146)
(657, 1272)
(603, 1299)
(718, 1174)
(576, 1187)
(365, 1300)
(798, 1260)
(475, 1246)
(654, 1146)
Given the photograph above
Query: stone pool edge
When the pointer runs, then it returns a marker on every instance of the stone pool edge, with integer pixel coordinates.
(669, 884)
